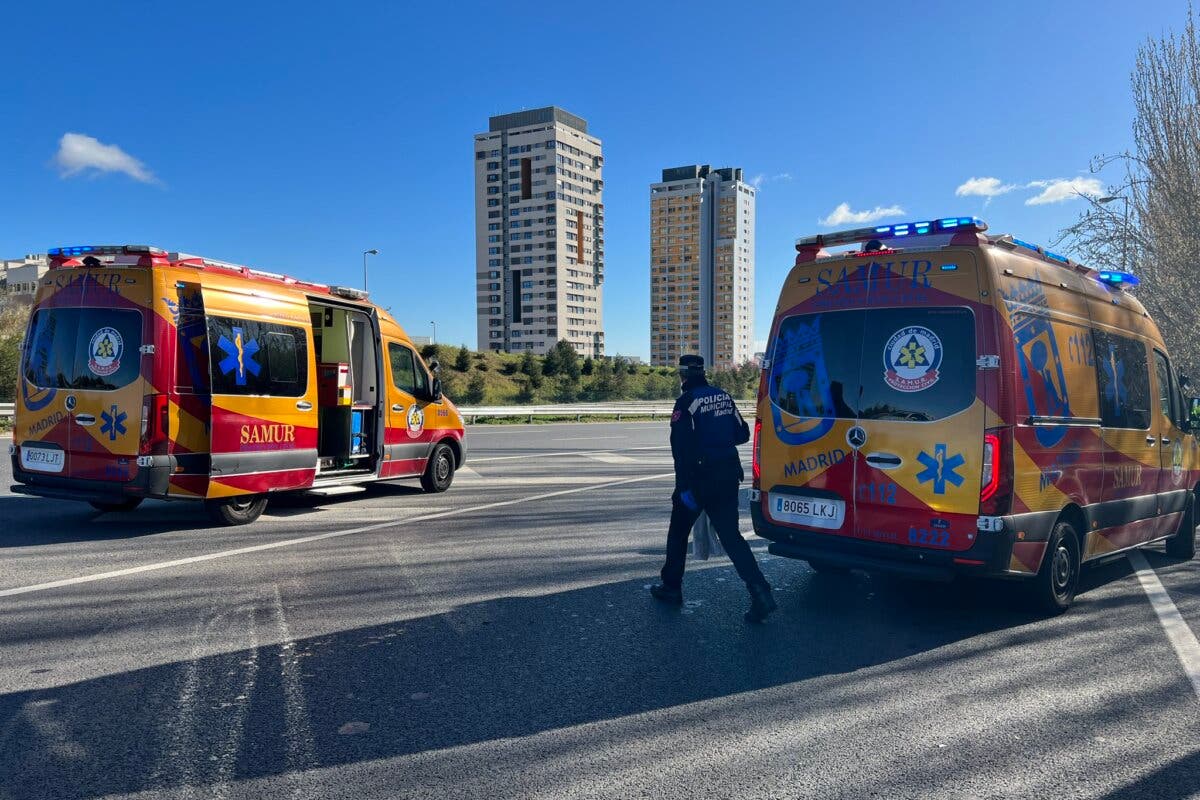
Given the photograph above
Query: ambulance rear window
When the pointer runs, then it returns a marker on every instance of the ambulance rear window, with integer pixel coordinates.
(881, 363)
(83, 348)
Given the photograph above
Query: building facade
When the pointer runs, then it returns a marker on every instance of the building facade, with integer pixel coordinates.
(702, 266)
(539, 233)
(21, 275)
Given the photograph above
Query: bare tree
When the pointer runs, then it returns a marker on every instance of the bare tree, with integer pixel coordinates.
(1158, 233)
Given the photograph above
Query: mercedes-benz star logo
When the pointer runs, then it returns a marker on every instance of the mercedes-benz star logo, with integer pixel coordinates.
(856, 437)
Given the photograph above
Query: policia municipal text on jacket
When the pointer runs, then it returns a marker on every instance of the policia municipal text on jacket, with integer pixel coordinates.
(706, 429)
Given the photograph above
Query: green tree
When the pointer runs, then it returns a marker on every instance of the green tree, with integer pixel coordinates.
(568, 359)
(531, 369)
(552, 363)
(525, 389)
(12, 331)
(589, 366)
(476, 390)
(462, 362)
(602, 386)
(566, 389)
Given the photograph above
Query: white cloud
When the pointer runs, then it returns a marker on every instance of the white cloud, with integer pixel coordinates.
(78, 153)
(758, 180)
(1060, 190)
(842, 215)
(983, 187)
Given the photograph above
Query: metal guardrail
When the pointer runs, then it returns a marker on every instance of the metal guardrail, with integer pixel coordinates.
(581, 410)
(577, 410)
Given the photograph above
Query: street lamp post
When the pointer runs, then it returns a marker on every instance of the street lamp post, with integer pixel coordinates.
(433, 322)
(371, 252)
(1124, 227)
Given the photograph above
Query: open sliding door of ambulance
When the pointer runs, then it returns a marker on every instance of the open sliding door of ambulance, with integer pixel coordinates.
(264, 396)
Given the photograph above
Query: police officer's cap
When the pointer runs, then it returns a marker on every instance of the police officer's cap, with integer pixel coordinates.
(691, 364)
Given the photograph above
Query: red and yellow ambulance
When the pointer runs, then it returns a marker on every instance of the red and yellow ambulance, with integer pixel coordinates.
(154, 374)
(939, 401)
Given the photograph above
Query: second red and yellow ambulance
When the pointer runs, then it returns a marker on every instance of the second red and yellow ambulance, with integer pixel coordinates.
(149, 374)
(938, 401)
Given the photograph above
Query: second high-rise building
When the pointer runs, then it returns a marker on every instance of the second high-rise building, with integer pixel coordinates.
(702, 266)
(539, 233)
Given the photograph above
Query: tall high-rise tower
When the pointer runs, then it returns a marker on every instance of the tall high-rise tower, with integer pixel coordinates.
(702, 266)
(539, 233)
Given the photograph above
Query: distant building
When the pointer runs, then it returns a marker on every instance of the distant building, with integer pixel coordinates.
(539, 233)
(21, 275)
(421, 341)
(702, 266)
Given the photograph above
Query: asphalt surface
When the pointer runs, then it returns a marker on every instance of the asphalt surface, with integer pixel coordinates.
(497, 641)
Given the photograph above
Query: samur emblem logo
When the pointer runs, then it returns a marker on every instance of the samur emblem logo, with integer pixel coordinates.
(416, 421)
(912, 358)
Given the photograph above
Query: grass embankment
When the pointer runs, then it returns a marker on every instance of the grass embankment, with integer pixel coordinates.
(479, 378)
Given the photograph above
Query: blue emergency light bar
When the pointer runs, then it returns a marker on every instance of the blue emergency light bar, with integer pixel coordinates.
(104, 249)
(1117, 278)
(856, 235)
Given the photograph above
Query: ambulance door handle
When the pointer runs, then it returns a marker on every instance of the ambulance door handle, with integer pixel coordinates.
(1150, 441)
(304, 405)
(1164, 440)
(397, 407)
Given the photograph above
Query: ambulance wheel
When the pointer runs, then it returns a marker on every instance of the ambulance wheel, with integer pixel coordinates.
(1183, 543)
(128, 504)
(238, 510)
(439, 472)
(1053, 589)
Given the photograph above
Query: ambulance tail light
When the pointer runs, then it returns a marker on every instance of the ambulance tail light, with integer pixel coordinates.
(155, 410)
(995, 492)
(756, 463)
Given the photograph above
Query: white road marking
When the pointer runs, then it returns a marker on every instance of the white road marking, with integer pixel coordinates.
(610, 458)
(535, 456)
(1178, 633)
(587, 438)
(179, 562)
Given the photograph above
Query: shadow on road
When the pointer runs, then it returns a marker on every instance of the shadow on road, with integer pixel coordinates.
(494, 670)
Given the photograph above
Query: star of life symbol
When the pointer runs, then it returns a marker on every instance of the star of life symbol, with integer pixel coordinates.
(911, 359)
(114, 423)
(239, 356)
(940, 468)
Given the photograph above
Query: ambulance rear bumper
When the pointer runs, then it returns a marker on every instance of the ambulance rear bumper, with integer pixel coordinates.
(989, 556)
(149, 481)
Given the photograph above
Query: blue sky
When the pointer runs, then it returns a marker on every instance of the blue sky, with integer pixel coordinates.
(292, 136)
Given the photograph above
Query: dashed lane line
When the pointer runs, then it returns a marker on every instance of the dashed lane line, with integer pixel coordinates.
(179, 562)
(1178, 633)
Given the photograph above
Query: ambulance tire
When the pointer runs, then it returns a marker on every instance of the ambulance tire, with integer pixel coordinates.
(1053, 589)
(439, 472)
(240, 510)
(128, 504)
(1183, 543)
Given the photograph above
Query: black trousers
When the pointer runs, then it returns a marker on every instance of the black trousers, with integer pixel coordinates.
(719, 499)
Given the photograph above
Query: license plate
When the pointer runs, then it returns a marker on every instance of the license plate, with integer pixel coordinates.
(815, 512)
(42, 459)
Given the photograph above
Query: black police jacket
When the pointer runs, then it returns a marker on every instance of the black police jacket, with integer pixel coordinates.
(706, 428)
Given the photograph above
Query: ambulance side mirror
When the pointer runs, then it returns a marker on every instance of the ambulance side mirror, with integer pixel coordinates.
(1194, 413)
(435, 390)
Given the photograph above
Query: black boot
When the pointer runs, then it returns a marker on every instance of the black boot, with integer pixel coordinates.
(665, 594)
(762, 603)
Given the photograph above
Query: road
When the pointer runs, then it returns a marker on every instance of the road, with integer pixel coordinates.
(497, 641)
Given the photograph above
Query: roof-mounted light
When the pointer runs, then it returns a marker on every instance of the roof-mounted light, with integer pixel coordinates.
(349, 293)
(856, 235)
(1117, 279)
(104, 250)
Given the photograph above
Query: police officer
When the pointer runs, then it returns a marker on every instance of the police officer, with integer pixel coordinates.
(706, 429)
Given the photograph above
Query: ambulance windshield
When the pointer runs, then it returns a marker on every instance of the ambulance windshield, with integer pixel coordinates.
(83, 348)
(881, 363)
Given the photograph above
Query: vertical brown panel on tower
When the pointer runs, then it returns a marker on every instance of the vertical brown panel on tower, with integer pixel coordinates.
(526, 178)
